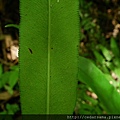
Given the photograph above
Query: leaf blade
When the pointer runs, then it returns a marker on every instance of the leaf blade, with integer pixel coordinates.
(54, 62)
(98, 82)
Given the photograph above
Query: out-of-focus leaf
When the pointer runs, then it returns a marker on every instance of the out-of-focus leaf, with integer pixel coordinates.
(116, 61)
(86, 21)
(10, 77)
(104, 68)
(98, 110)
(4, 79)
(15, 67)
(109, 77)
(12, 108)
(82, 36)
(112, 81)
(90, 99)
(84, 112)
(93, 77)
(9, 89)
(88, 26)
(99, 57)
(88, 5)
(117, 72)
(116, 84)
(13, 78)
(3, 113)
(109, 65)
(114, 47)
(85, 109)
(12, 25)
(108, 56)
(1, 69)
(82, 87)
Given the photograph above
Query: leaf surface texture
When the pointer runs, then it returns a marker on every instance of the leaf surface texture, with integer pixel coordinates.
(49, 35)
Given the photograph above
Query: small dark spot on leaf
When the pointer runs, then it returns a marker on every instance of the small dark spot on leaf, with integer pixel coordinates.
(79, 82)
(51, 48)
(30, 50)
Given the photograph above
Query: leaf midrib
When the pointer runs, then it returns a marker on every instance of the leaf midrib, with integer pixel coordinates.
(48, 78)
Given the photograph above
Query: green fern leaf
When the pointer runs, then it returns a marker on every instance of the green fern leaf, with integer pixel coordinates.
(49, 34)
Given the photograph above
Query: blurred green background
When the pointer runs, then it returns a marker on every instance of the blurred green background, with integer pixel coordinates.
(100, 42)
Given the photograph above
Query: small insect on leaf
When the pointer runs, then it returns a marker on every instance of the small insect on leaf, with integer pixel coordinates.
(30, 50)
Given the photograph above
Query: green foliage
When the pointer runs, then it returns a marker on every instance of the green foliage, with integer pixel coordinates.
(1, 70)
(11, 109)
(93, 77)
(88, 105)
(114, 47)
(103, 52)
(8, 82)
(110, 60)
(10, 78)
(49, 35)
